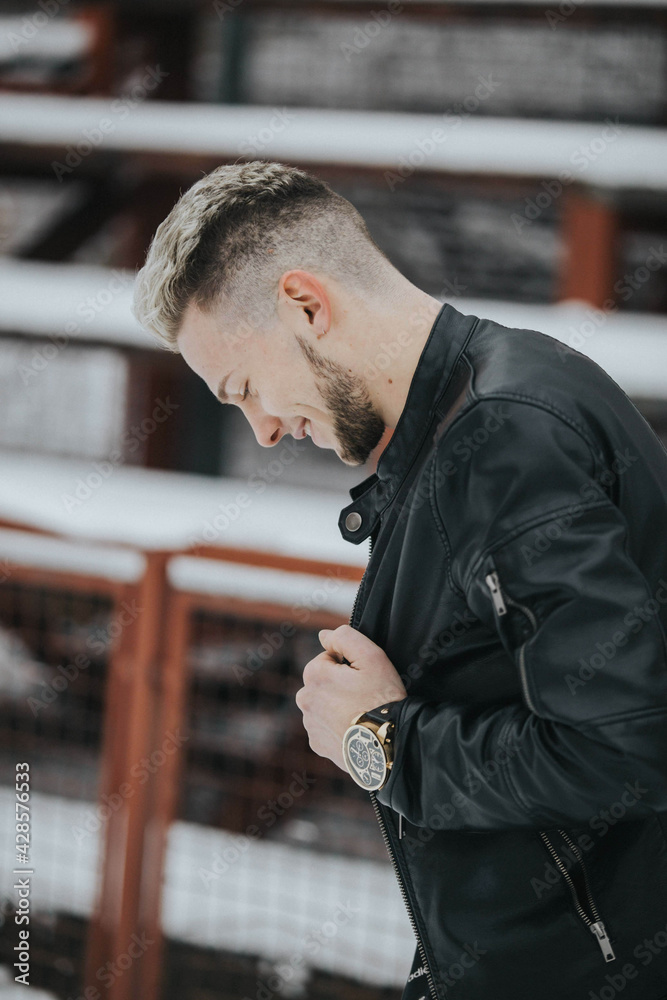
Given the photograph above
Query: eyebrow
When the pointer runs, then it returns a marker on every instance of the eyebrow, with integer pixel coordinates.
(222, 388)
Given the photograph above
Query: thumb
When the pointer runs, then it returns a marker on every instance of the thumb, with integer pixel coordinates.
(341, 643)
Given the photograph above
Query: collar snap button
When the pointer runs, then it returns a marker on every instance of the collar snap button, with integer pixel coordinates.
(353, 521)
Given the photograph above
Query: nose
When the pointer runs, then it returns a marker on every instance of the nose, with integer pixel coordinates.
(267, 429)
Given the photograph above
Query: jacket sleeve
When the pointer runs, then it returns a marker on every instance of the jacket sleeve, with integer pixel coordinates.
(536, 546)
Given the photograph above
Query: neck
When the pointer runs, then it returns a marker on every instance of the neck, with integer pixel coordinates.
(395, 340)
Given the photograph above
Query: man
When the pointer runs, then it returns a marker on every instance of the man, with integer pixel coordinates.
(510, 629)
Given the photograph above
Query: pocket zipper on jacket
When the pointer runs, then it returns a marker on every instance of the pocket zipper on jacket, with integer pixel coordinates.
(595, 925)
(387, 841)
(492, 581)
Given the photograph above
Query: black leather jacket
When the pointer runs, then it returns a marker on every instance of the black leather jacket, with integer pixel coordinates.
(517, 580)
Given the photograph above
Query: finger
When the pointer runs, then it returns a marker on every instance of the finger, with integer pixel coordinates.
(344, 643)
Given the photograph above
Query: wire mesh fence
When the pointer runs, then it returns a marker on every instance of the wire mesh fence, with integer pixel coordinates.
(275, 861)
(53, 666)
(275, 880)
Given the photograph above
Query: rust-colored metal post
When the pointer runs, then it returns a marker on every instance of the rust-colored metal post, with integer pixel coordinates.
(589, 226)
(125, 789)
(170, 717)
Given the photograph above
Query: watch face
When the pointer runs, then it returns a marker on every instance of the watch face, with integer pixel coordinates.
(364, 757)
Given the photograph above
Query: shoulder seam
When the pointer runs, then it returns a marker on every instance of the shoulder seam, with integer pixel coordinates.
(519, 397)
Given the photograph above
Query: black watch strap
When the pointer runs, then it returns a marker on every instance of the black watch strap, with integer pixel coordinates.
(385, 713)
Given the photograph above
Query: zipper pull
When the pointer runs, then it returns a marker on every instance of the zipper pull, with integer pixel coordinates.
(493, 583)
(598, 929)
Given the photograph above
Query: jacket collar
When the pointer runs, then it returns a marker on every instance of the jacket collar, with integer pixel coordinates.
(433, 371)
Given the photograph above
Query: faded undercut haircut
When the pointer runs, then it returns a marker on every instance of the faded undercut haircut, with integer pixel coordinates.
(230, 237)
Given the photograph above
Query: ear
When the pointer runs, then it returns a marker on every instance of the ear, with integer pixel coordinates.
(302, 290)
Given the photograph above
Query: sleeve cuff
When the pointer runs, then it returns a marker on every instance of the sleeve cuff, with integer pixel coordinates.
(397, 713)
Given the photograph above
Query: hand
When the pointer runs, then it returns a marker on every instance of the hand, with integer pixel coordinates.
(335, 692)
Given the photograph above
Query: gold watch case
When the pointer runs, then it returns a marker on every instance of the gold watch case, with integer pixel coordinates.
(368, 752)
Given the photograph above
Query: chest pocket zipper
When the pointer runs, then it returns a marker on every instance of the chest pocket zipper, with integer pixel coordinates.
(500, 602)
(592, 921)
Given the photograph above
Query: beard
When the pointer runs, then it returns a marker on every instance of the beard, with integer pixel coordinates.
(357, 424)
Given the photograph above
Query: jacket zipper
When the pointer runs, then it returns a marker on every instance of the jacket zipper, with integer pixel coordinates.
(385, 835)
(595, 925)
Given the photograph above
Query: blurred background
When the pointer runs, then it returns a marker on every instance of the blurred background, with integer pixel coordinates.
(162, 577)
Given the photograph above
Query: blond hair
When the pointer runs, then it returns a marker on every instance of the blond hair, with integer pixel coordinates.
(230, 237)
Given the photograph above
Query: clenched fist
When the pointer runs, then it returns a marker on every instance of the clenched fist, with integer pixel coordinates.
(334, 692)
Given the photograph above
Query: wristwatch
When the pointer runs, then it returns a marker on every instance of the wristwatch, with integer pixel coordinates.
(368, 747)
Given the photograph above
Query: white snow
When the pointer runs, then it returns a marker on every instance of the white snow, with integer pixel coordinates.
(24, 548)
(153, 509)
(266, 900)
(63, 40)
(70, 302)
(64, 402)
(10, 990)
(20, 672)
(633, 156)
(305, 590)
